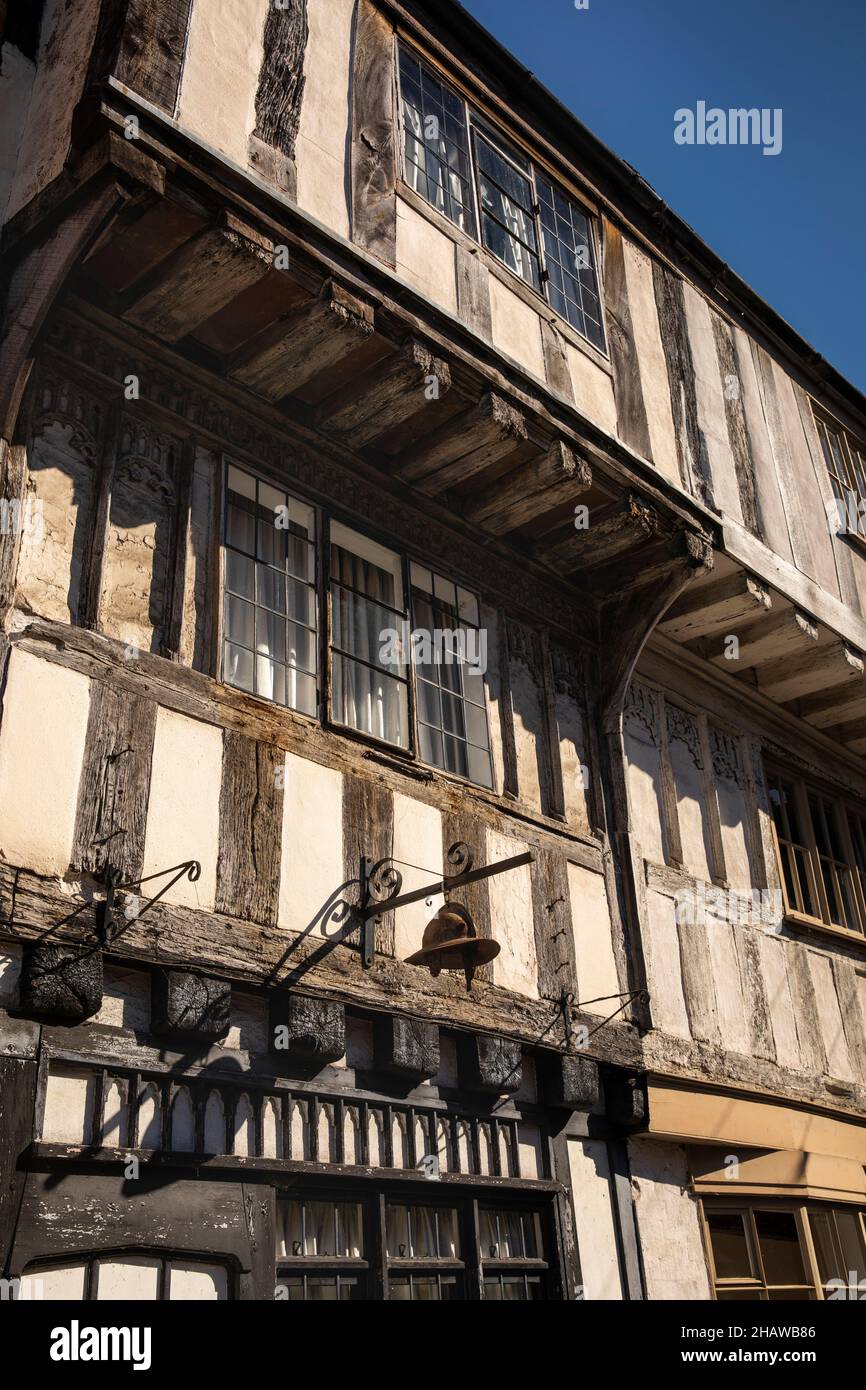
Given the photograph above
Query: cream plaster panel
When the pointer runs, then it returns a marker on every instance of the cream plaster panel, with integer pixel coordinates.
(183, 810)
(830, 1016)
(732, 817)
(573, 760)
(774, 522)
(125, 1000)
(512, 919)
(674, 1263)
(132, 1279)
(775, 972)
(590, 916)
(651, 360)
(593, 389)
(664, 969)
(323, 134)
(45, 710)
(417, 841)
(516, 328)
(220, 77)
(725, 970)
(312, 850)
(529, 1143)
(59, 495)
(69, 1098)
(55, 1285)
(526, 701)
(70, 27)
(589, 1167)
(425, 257)
(712, 419)
(248, 1026)
(692, 810)
(644, 793)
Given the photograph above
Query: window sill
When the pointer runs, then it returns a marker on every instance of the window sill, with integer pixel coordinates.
(854, 539)
(506, 277)
(801, 922)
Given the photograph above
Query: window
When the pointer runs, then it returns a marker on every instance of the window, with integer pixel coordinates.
(269, 646)
(436, 143)
(528, 223)
(785, 1252)
(450, 662)
(846, 464)
(821, 846)
(429, 1252)
(392, 649)
(128, 1278)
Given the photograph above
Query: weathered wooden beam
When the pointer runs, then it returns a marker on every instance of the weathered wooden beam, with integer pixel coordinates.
(852, 732)
(829, 707)
(532, 490)
(491, 1064)
(202, 277)
(113, 791)
(718, 606)
(405, 1047)
(821, 668)
(291, 352)
(61, 982)
(466, 444)
(374, 156)
(774, 636)
(386, 395)
(251, 820)
(280, 94)
(612, 531)
(632, 423)
(190, 1005)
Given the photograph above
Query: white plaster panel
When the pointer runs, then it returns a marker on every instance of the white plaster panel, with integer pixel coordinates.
(183, 809)
(512, 919)
(55, 1285)
(730, 1006)
(774, 522)
(217, 100)
(42, 736)
(248, 1025)
(125, 1000)
(664, 968)
(516, 328)
(674, 1263)
(529, 731)
(573, 759)
(129, 1279)
(589, 1167)
(593, 389)
(197, 1283)
(323, 134)
(590, 916)
(651, 360)
(774, 969)
(417, 841)
(312, 850)
(60, 494)
(734, 827)
(830, 1015)
(529, 1144)
(426, 257)
(712, 419)
(692, 809)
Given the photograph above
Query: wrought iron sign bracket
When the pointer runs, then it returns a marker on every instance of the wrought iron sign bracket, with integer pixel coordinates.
(381, 882)
(135, 909)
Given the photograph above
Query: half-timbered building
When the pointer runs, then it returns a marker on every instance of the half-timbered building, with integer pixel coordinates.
(419, 550)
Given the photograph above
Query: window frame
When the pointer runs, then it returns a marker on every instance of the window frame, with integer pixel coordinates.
(323, 519)
(844, 807)
(377, 1267)
(166, 1257)
(748, 1206)
(478, 122)
(853, 459)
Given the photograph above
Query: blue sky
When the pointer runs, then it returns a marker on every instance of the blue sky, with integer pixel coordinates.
(792, 225)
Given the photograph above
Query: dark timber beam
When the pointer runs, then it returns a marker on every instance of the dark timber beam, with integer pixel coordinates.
(201, 278)
(387, 395)
(775, 635)
(612, 531)
(541, 486)
(720, 606)
(284, 357)
(820, 668)
(466, 444)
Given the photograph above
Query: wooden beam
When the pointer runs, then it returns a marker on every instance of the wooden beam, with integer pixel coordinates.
(281, 359)
(533, 490)
(718, 606)
(632, 423)
(612, 531)
(251, 823)
(822, 668)
(465, 444)
(279, 95)
(374, 156)
(113, 792)
(201, 278)
(853, 731)
(387, 395)
(775, 635)
(831, 707)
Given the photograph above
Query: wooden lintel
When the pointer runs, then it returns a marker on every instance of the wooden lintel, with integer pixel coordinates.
(533, 490)
(611, 531)
(772, 637)
(646, 566)
(831, 707)
(291, 352)
(718, 606)
(387, 395)
(201, 278)
(465, 444)
(821, 668)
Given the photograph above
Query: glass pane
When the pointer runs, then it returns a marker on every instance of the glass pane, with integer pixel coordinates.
(780, 1247)
(367, 630)
(730, 1247)
(271, 635)
(371, 702)
(238, 667)
(240, 622)
(319, 1230)
(271, 588)
(421, 1233)
(480, 770)
(241, 530)
(240, 574)
(302, 603)
(241, 483)
(301, 650)
(430, 746)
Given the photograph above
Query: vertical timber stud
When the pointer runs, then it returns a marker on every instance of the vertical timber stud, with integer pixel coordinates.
(176, 597)
(280, 95)
(368, 830)
(115, 783)
(628, 391)
(90, 591)
(18, 1080)
(251, 818)
(142, 43)
(374, 156)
